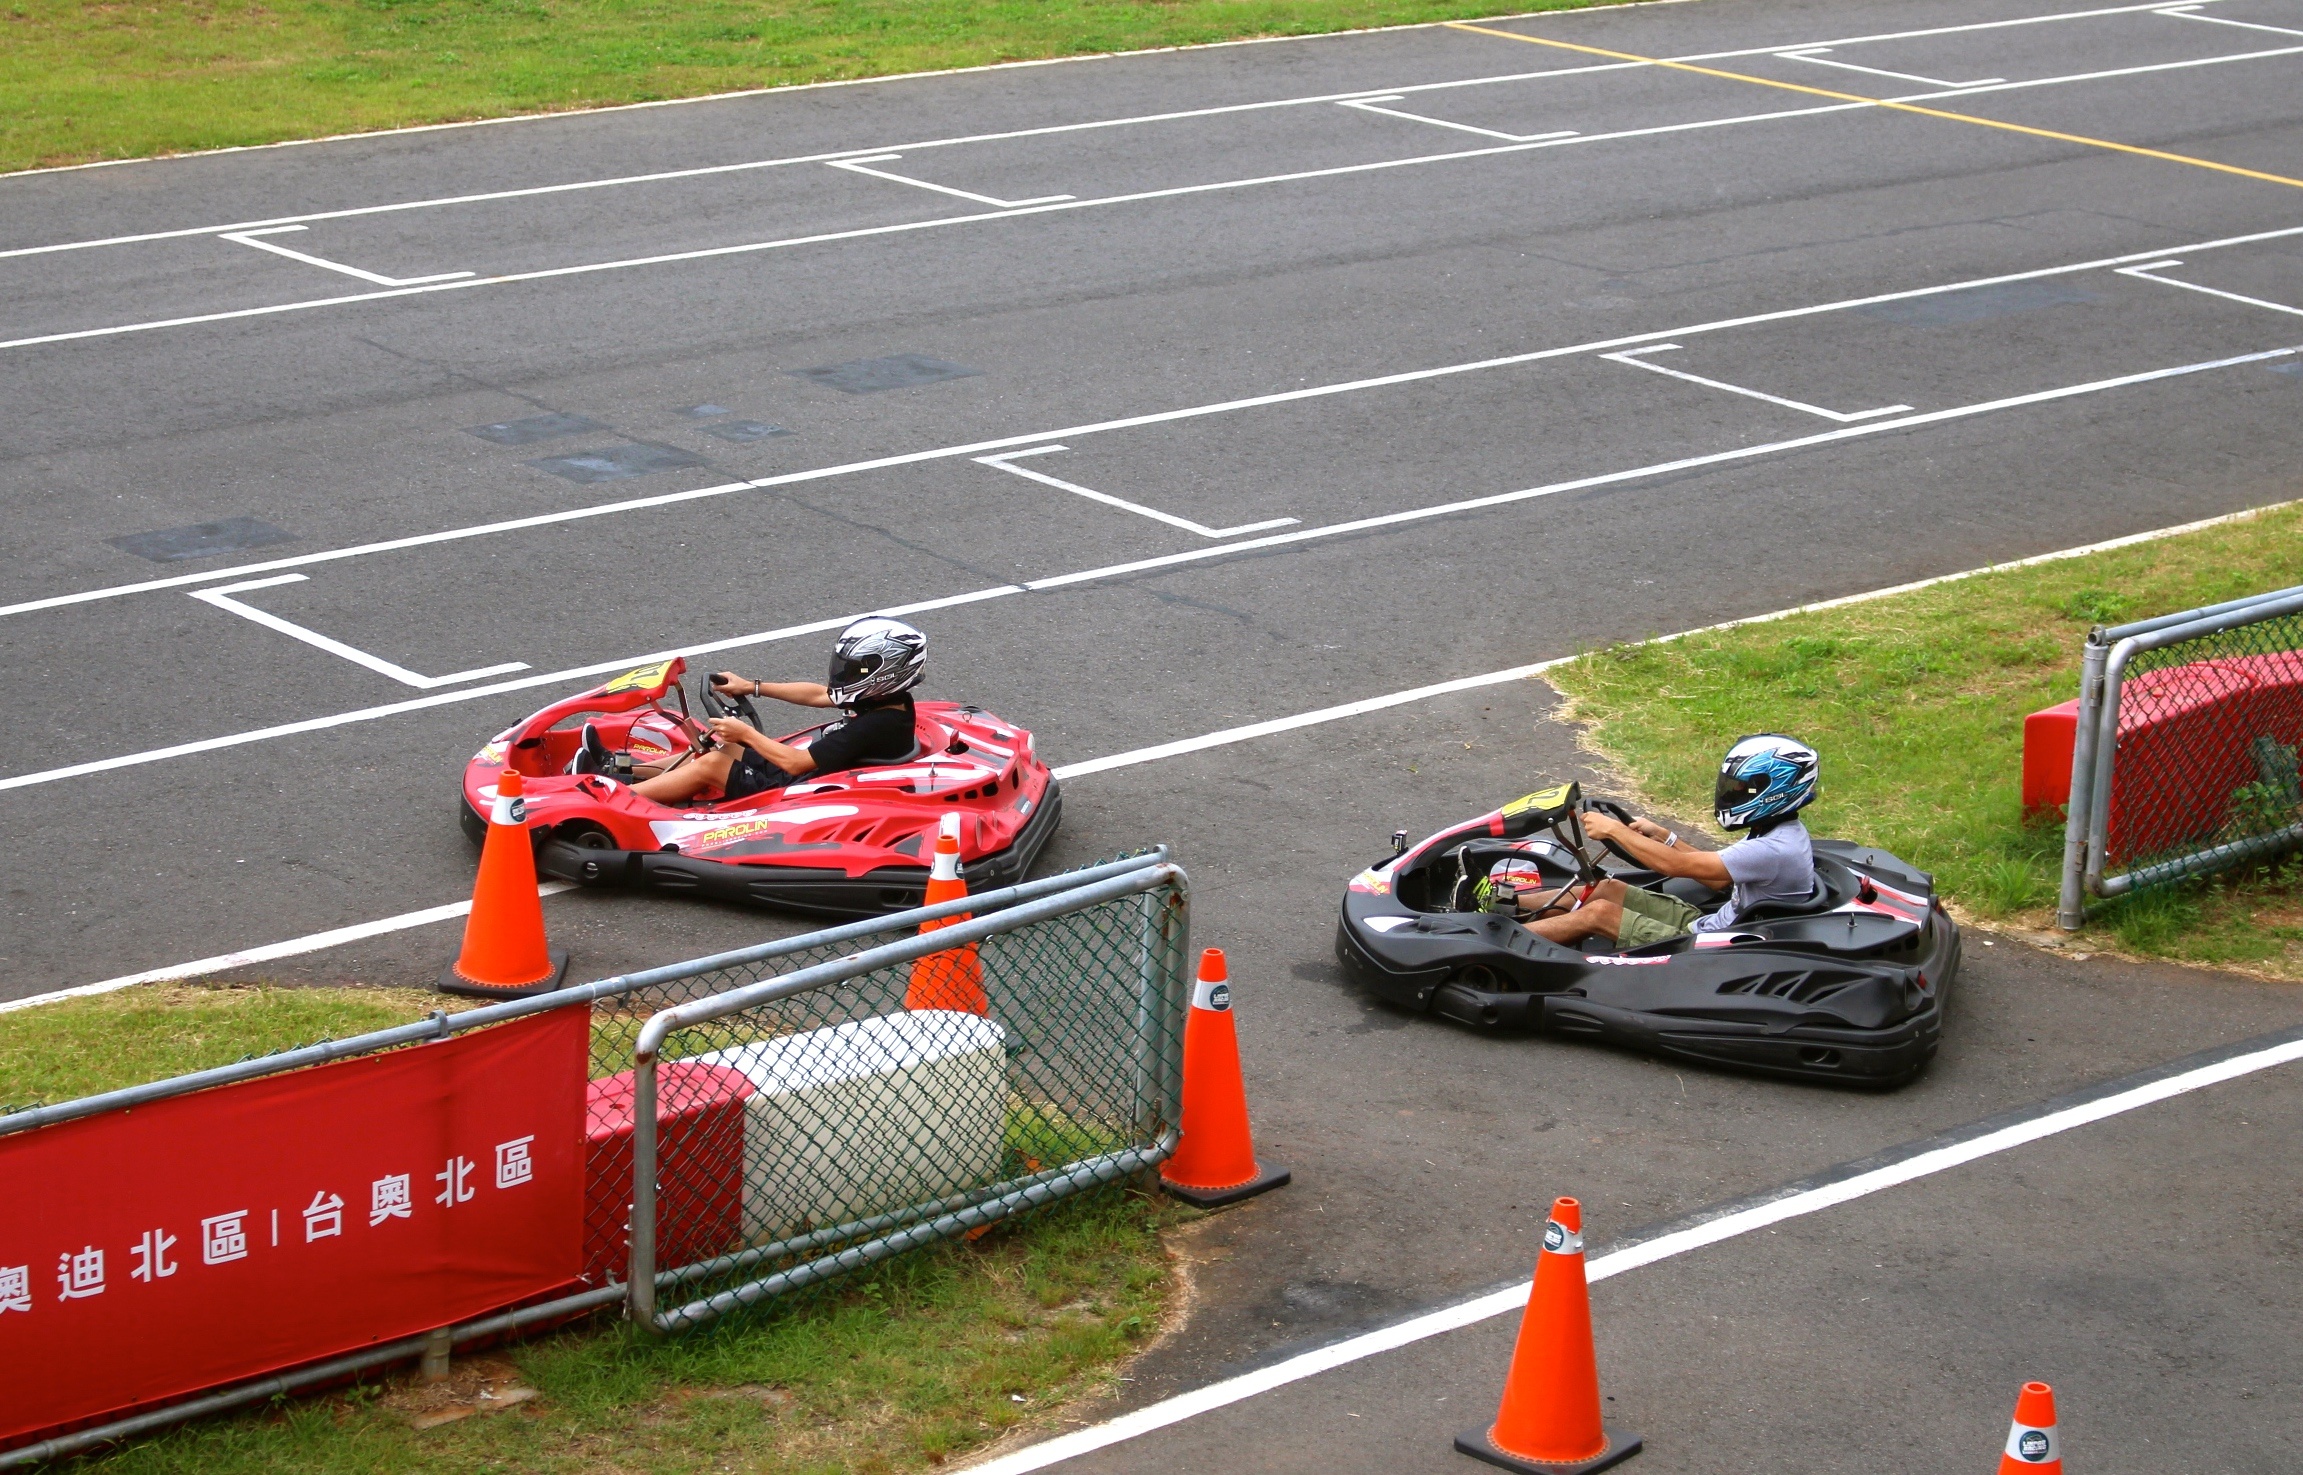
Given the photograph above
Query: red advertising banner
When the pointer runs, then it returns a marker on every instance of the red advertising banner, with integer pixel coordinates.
(213, 1237)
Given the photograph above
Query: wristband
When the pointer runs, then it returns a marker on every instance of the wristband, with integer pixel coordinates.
(1671, 839)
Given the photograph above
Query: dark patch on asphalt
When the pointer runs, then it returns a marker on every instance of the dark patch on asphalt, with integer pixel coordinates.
(534, 428)
(896, 371)
(744, 432)
(702, 412)
(1951, 309)
(202, 539)
(617, 462)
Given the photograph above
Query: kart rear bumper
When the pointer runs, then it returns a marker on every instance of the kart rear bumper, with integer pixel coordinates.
(827, 892)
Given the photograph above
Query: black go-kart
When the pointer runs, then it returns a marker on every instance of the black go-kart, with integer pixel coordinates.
(1847, 986)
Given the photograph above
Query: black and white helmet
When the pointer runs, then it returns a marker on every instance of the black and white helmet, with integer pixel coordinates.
(876, 658)
(1765, 776)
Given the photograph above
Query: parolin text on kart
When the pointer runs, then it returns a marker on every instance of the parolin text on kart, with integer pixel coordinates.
(1847, 986)
(849, 843)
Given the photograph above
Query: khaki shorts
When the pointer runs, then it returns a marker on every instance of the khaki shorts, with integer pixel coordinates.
(1651, 918)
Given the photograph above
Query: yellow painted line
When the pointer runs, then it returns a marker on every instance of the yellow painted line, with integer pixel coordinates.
(1881, 102)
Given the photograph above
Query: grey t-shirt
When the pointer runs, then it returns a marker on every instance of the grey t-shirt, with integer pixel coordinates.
(1776, 866)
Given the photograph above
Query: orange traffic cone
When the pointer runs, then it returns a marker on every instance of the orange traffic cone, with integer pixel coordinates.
(2031, 1443)
(505, 955)
(1549, 1420)
(1214, 1160)
(953, 980)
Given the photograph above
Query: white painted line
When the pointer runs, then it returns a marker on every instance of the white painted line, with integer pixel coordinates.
(1067, 772)
(1230, 735)
(860, 233)
(2146, 273)
(1816, 54)
(252, 238)
(1067, 204)
(221, 600)
(2191, 12)
(1172, 1411)
(1369, 106)
(1055, 61)
(2116, 72)
(1664, 468)
(662, 176)
(1634, 358)
(524, 683)
(1169, 560)
(270, 952)
(1131, 422)
(856, 166)
(1004, 463)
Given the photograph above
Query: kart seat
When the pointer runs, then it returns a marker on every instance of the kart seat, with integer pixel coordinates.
(1834, 884)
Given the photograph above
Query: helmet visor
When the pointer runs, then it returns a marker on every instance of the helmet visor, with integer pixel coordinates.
(1735, 791)
(848, 672)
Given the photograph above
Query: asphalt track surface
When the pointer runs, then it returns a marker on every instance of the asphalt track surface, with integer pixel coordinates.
(1919, 343)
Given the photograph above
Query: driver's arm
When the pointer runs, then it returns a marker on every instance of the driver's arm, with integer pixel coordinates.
(794, 761)
(1646, 845)
(798, 693)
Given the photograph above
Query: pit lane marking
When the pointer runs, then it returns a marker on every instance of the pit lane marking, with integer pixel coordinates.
(221, 600)
(1132, 422)
(1908, 1164)
(659, 176)
(1004, 462)
(1169, 560)
(1852, 102)
(2145, 273)
(1636, 359)
(319, 941)
(856, 166)
(253, 238)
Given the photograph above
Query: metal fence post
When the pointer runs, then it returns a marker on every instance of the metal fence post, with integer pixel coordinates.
(2078, 807)
(641, 1289)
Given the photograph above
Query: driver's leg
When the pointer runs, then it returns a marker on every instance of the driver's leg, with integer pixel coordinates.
(689, 779)
(1599, 916)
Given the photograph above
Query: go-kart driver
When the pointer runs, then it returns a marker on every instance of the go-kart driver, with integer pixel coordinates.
(1764, 782)
(875, 664)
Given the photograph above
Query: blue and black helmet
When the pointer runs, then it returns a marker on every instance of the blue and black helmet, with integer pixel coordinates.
(1764, 776)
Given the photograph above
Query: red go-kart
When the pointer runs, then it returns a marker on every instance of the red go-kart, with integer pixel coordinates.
(850, 843)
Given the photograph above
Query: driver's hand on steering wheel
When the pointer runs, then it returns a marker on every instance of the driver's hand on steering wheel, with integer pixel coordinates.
(1600, 825)
(728, 681)
(729, 730)
(1650, 829)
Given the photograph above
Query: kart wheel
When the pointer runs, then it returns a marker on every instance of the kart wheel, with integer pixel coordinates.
(584, 835)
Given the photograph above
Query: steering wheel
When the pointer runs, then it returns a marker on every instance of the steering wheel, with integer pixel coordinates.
(1621, 815)
(717, 703)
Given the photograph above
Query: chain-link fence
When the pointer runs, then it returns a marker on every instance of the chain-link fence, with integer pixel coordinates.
(1062, 958)
(797, 1128)
(2185, 756)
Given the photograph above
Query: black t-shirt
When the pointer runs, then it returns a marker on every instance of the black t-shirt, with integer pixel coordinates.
(882, 734)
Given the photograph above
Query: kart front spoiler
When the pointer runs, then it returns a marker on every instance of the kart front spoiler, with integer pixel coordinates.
(822, 891)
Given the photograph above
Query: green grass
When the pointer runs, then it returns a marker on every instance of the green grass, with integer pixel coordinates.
(87, 79)
(77, 1047)
(1916, 704)
(899, 1368)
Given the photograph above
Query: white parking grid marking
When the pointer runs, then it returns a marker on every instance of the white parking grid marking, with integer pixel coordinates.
(1060, 204)
(221, 599)
(1171, 560)
(1368, 105)
(659, 176)
(1003, 463)
(1817, 55)
(1066, 772)
(1132, 422)
(2146, 273)
(2191, 12)
(1632, 357)
(250, 238)
(856, 166)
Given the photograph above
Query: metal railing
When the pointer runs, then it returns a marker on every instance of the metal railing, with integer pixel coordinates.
(810, 1125)
(2184, 757)
(621, 1008)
